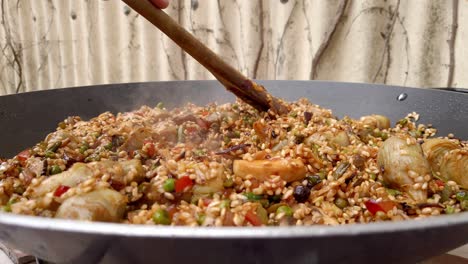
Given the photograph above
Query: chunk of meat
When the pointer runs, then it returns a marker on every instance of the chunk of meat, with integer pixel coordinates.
(288, 169)
(123, 172)
(165, 133)
(79, 172)
(100, 205)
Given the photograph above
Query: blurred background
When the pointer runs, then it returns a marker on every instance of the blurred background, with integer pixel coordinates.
(47, 44)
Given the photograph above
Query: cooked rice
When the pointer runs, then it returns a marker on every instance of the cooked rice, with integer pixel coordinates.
(196, 147)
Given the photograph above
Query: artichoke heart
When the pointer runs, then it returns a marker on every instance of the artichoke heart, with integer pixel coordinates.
(402, 161)
(448, 160)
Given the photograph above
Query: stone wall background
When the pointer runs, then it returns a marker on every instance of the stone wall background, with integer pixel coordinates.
(48, 44)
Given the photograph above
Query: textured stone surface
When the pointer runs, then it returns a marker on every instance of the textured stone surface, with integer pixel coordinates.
(59, 43)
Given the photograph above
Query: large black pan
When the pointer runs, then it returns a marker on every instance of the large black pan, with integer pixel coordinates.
(27, 118)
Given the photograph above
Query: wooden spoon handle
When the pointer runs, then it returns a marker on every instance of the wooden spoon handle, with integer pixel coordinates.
(252, 93)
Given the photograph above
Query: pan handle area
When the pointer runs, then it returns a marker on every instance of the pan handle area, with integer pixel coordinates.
(451, 89)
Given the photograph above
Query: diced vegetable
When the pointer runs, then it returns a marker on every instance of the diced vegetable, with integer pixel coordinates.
(440, 183)
(262, 214)
(341, 169)
(182, 183)
(383, 206)
(225, 203)
(253, 197)
(55, 147)
(446, 193)
(61, 190)
(253, 218)
(149, 148)
(24, 155)
(284, 209)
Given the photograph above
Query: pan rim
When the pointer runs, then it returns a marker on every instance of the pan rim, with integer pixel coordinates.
(129, 230)
(261, 81)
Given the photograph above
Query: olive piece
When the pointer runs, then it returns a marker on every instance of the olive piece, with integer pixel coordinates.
(301, 193)
(307, 117)
(313, 180)
(341, 203)
(359, 161)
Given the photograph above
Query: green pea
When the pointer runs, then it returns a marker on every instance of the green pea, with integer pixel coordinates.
(286, 210)
(228, 183)
(109, 146)
(393, 192)
(449, 210)
(199, 152)
(341, 203)
(169, 185)
(201, 219)
(161, 217)
(84, 148)
(402, 121)
(418, 133)
(7, 207)
(464, 205)
(93, 157)
(377, 133)
(384, 136)
(225, 203)
(55, 169)
(160, 105)
(461, 195)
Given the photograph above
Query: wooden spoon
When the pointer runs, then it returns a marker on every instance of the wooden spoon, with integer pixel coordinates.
(244, 88)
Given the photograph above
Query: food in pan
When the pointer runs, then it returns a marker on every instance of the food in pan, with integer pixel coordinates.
(230, 165)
